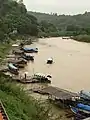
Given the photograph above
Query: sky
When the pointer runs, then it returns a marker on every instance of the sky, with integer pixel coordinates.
(58, 6)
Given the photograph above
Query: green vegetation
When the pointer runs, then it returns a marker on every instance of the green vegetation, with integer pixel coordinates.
(14, 20)
(82, 38)
(18, 105)
(63, 25)
(4, 50)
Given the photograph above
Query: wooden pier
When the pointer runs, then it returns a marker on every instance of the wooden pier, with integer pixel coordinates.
(57, 93)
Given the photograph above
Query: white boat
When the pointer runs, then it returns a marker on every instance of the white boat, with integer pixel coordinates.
(42, 77)
(50, 60)
(85, 94)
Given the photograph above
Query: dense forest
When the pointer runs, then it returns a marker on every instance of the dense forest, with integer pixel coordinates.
(62, 25)
(15, 20)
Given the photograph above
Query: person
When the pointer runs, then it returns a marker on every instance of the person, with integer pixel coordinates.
(25, 76)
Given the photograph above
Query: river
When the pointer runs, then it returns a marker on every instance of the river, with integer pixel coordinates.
(71, 67)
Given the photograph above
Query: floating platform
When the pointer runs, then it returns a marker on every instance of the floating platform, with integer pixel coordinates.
(57, 93)
(28, 80)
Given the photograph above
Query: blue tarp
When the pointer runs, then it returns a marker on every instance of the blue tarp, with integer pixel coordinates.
(12, 66)
(30, 49)
(83, 107)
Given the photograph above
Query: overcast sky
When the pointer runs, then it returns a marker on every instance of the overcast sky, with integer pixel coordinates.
(59, 6)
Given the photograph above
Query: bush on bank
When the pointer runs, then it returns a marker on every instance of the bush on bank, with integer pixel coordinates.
(82, 38)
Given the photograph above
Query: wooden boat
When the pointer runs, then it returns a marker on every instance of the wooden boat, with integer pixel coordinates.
(19, 65)
(79, 115)
(20, 61)
(28, 57)
(30, 50)
(42, 78)
(81, 109)
(13, 69)
(85, 94)
(84, 108)
(49, 60)
(18, 52)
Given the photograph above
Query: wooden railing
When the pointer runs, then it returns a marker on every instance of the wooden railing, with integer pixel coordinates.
(3, 114)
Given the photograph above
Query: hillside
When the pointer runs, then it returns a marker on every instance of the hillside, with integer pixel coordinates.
(66, 24)
(14, 20)
(62, 21)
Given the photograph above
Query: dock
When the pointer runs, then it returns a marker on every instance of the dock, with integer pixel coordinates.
(57, 93)
(28, 80)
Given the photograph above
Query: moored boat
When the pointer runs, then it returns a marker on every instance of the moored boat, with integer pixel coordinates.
(18, 63)
(28, 57)
(42, 77)
(13, 69)
(30, 50)
(81, 109)
(85, 94)
(79, 115)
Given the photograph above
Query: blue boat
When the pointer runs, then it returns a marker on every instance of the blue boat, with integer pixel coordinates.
(13, 69)
(30, 50)
(83, 107)
(79, 115)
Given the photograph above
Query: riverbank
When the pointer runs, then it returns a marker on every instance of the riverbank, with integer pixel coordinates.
(57, 112)
(18, 104)
(82, 38)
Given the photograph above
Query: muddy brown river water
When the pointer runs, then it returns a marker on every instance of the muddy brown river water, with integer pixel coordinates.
(71, 67)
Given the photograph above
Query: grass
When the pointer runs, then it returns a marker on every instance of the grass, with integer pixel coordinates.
(18, 105)
(4, 49)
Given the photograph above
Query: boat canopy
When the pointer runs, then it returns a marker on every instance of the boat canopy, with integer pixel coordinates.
(83, 107)
(40, 74)
(85, 94)
(30, 49)
(12, 66)
(50, 59)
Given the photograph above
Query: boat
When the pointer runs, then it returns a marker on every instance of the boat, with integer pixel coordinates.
(18, 63)
(85, 94)
(30, 50)
(28, 57)
(18, 52)
(81, 108)
(13, 69)
(42, 77)
(50, 60)
(79, 115)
